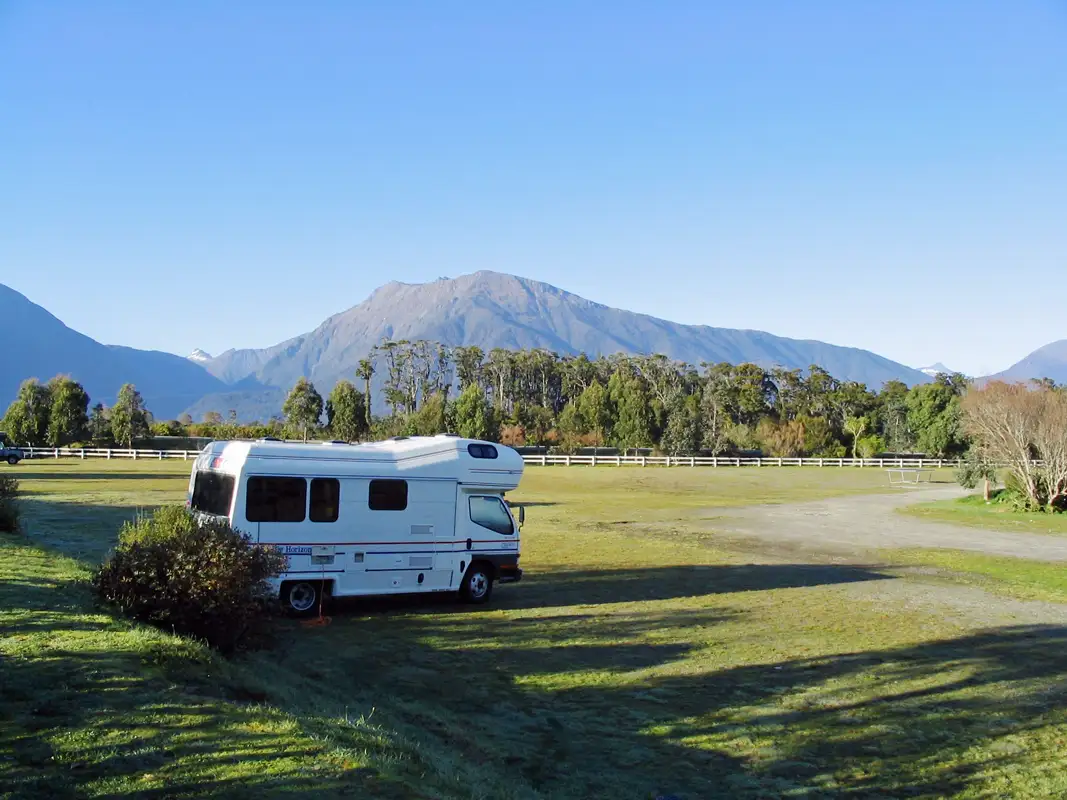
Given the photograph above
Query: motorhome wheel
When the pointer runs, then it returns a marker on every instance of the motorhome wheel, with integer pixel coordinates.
(477, 584)
(302, 597)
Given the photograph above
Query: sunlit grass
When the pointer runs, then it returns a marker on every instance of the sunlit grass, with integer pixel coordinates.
(974, 512)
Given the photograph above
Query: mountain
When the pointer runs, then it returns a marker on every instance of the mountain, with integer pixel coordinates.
(1049, 361)
(935, 369)
(36, 344)
(490, 309)
(199, 356)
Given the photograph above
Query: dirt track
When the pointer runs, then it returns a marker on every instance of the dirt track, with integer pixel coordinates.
(854, 529)
(857, 526)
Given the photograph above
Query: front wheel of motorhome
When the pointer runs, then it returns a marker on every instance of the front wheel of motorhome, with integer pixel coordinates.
(302, 598)
(477, 583)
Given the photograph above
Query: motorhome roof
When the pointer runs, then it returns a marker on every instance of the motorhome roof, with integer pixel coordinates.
(430, 457)
(389, 450)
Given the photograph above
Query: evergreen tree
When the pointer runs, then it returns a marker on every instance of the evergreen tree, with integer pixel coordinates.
(474, 417)
(68, 419)
(346, 412)
(595, 409)
(26, 420)
(683, 433)
(99, 425)
(129, 418)
(633, 410)
(303, 407)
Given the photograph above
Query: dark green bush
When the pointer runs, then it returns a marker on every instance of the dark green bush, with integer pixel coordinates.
(9, 509)
(201, 579)
(973, 470)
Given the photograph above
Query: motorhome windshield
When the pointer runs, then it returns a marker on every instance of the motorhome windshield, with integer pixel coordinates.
(212, 493)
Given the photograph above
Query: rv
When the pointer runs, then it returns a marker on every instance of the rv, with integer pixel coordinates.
(406, 515)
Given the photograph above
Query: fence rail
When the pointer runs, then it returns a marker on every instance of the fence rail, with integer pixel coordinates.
(556, 460)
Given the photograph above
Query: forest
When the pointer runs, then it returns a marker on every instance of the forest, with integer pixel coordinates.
(537, 398)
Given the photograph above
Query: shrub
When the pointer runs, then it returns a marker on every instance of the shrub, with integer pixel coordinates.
(201, 579)
(9, 509)
(870, 446)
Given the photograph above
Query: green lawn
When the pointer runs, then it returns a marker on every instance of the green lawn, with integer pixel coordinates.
(975, 512)
(629, 662)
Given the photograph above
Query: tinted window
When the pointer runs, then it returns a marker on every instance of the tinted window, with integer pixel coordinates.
(489, 512)
(325, 499)
(212, 493)
(481, 450)
(388, 495)
(276, 499)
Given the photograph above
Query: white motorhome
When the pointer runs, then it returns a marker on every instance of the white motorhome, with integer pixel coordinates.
(410, 514)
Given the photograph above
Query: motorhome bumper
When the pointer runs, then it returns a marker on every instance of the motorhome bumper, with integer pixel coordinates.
(510, 574)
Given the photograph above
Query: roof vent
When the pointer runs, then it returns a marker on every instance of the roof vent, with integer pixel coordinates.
(270, 439)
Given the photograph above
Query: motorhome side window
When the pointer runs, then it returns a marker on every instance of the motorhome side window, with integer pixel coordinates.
(489, 512)
(388, 495)
(325, 499)
(276, 499)
(212, 492)
(481, 450)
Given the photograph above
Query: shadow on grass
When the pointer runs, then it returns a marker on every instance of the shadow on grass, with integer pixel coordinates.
(534, 698)
(90, 706)
(118, 474)
(86, 531)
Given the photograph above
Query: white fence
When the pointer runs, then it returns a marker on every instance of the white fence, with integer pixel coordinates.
(558, 460)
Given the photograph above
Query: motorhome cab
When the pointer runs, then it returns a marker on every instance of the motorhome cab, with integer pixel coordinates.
(416, 514)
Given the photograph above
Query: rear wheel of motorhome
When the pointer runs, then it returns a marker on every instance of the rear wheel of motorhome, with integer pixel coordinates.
(302, 597)
(477, 583)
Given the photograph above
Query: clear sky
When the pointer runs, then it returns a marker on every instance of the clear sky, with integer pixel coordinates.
(887, 175)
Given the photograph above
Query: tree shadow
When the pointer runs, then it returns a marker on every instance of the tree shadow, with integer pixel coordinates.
(85, 531)
(133, 475)
(576, 587)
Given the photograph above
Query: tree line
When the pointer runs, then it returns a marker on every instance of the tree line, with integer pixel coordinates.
(57, 414)
(540, 398)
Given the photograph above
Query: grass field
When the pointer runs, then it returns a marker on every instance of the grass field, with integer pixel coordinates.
(631, 661)
(974, 512)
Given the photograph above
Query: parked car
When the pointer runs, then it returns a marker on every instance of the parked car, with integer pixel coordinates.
(8, 452)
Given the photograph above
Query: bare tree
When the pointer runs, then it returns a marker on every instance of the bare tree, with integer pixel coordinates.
(1024, 428)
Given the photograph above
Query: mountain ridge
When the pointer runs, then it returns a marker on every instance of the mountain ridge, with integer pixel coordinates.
(46, 347)
(492, 309)
(1048, 361)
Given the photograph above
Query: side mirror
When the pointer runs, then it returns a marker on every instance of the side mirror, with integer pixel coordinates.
(522, 515)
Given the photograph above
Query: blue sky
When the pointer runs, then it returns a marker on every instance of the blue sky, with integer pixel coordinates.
(891, 176)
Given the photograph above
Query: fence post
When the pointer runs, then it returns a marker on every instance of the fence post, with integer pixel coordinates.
(692, 461)
(566, 461)
(644, 461)
(134, 452)
(83, 454)
(939, 463)
(160, 455)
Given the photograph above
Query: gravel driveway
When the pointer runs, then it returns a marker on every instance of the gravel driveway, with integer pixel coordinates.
(855, 526)
(853, 529)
